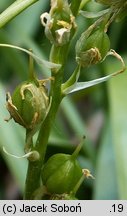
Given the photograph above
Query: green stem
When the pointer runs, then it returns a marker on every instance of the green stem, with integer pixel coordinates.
(34, 168)
(13, 10)
(77, 150)
(29, 141)
(77, 186)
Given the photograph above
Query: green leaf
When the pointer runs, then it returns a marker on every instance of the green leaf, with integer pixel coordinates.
(89, 14)
(72, 80)
(118, 116)
(38, 60)
(13, 10)
(20, 28)
(83, 85)
(105, 184)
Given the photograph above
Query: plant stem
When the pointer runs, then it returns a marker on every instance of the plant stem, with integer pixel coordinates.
(34, 168)
(58, 55)
(77, 150)
(13, 10)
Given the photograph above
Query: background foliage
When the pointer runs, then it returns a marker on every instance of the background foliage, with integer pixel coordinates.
(99, 112)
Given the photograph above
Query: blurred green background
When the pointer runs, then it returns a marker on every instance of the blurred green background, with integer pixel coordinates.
(99, 112)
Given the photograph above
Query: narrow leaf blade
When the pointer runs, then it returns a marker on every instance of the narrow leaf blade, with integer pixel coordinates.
(89, 14)
(83, 85)
(38, 60)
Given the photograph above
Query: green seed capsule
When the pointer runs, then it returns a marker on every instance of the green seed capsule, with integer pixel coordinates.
(92, 49)
(28, 104)
(61, 173)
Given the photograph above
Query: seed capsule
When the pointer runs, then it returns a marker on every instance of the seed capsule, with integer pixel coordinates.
(61, 173)
(92, 49)
(28, 104)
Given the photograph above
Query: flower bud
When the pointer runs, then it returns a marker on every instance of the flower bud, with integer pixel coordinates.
(28, 104)
(92, 49)
(60, 23)
(61, 173)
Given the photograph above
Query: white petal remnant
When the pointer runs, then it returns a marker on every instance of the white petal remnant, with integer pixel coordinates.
(45, 18)
(32, 155)
(87, 173)
(63, 35)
